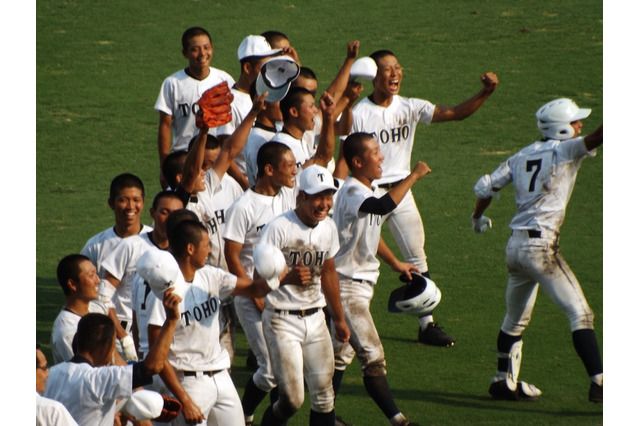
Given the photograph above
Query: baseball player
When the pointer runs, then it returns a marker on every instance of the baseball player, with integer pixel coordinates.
(48, 411)
(392, 120)
(271, 196)
(120, 264)
(79, 281)
(88, 386)
(180, 91)
(126, 199)
(252, 53)
(294, 324)
(196, 369)
(543, 176)
(359, 213)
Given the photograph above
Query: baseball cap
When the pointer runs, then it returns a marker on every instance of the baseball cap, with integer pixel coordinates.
(315, 179)
(276, 76)
(255, 45)
(364, 68)
(161, 271)
(144, 405)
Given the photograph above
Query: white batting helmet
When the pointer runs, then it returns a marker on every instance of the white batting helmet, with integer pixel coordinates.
(555, 118)
(418, 297)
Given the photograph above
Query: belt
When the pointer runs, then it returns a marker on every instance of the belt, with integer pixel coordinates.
(357, 280)
(532, 233)
(204, 373)
(300, 313)
(389, 185)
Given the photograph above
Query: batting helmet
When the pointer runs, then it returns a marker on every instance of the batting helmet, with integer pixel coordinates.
(420, 296)
(555, 118)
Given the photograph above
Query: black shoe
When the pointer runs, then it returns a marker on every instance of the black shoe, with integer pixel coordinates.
(434, 336)
(595, 393)
(524, 392)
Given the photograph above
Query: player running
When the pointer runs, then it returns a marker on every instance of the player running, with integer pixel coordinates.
(543, 176)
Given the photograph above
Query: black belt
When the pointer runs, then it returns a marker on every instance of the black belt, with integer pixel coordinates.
(205, 373)
(300, 313)
(358, 280)
(390, 185)
(533, 234)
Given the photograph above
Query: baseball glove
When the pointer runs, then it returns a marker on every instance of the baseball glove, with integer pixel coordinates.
(170, 410)
(215, 106)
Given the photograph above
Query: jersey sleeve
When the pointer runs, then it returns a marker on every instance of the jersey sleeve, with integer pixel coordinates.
(165, 98)
(422, 110)
(117, 261)
(237, 223)
(157, 315)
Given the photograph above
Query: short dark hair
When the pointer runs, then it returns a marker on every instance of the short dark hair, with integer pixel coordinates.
(353, 146)
(192, 32)
(307, 72)
(172, 166)
(379, 54)
(69, 267)
(293, 99)
(122, 181)
(184, 233)
(38, 348)
(274, 36)
(94, 330)
(177, 216)
(211, 143)
(270, 153)
(165, 194)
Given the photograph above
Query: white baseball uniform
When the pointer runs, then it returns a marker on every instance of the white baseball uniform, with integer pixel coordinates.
(245, 220)
(65, 327)
(50, 412)
(394, 128)
(294, 323)
(543, 176)
(259, 135)
(90, 393)
(201, 363)
(177, 98)
(358, 270)
(240, 107)
(121, 264)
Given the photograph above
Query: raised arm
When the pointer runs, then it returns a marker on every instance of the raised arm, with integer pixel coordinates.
(327, 142)
(471, 105)
(594, 139)
(398, 192)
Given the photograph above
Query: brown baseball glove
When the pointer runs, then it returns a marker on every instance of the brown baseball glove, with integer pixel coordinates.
(215, 106)
(170, 410)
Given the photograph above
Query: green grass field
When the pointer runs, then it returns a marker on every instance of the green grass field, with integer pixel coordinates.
(100, 65)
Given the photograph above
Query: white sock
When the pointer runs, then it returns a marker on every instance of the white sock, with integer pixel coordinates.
(597, 379)
(398, 420)
(425, 320)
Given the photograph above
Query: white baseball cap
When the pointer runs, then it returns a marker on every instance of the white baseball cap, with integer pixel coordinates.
(144, 405)
(315, 179)
(161, 271)
(255, 45)
(276, 76)
(364, 68)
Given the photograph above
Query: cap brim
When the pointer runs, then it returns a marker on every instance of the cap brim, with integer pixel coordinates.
(274, 95)
(582, 114)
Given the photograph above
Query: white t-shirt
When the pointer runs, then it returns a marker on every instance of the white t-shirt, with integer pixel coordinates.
(394, 128)
(64, 329)
(101, 244)
(359, 232)
(249, 214)
(177, 98)
(299, 242)
(50, 412)
(89, 393)
(196, 342)
(121, 263)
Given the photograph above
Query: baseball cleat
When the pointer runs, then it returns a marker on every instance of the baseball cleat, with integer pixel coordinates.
(434, 336)
(595, 393)
(524, 391)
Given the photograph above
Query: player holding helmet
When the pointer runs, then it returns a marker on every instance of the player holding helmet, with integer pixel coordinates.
(543, 175)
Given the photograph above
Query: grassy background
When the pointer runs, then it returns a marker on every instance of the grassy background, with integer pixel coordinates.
(100, 65)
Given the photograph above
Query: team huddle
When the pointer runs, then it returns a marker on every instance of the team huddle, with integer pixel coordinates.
(258, 224)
